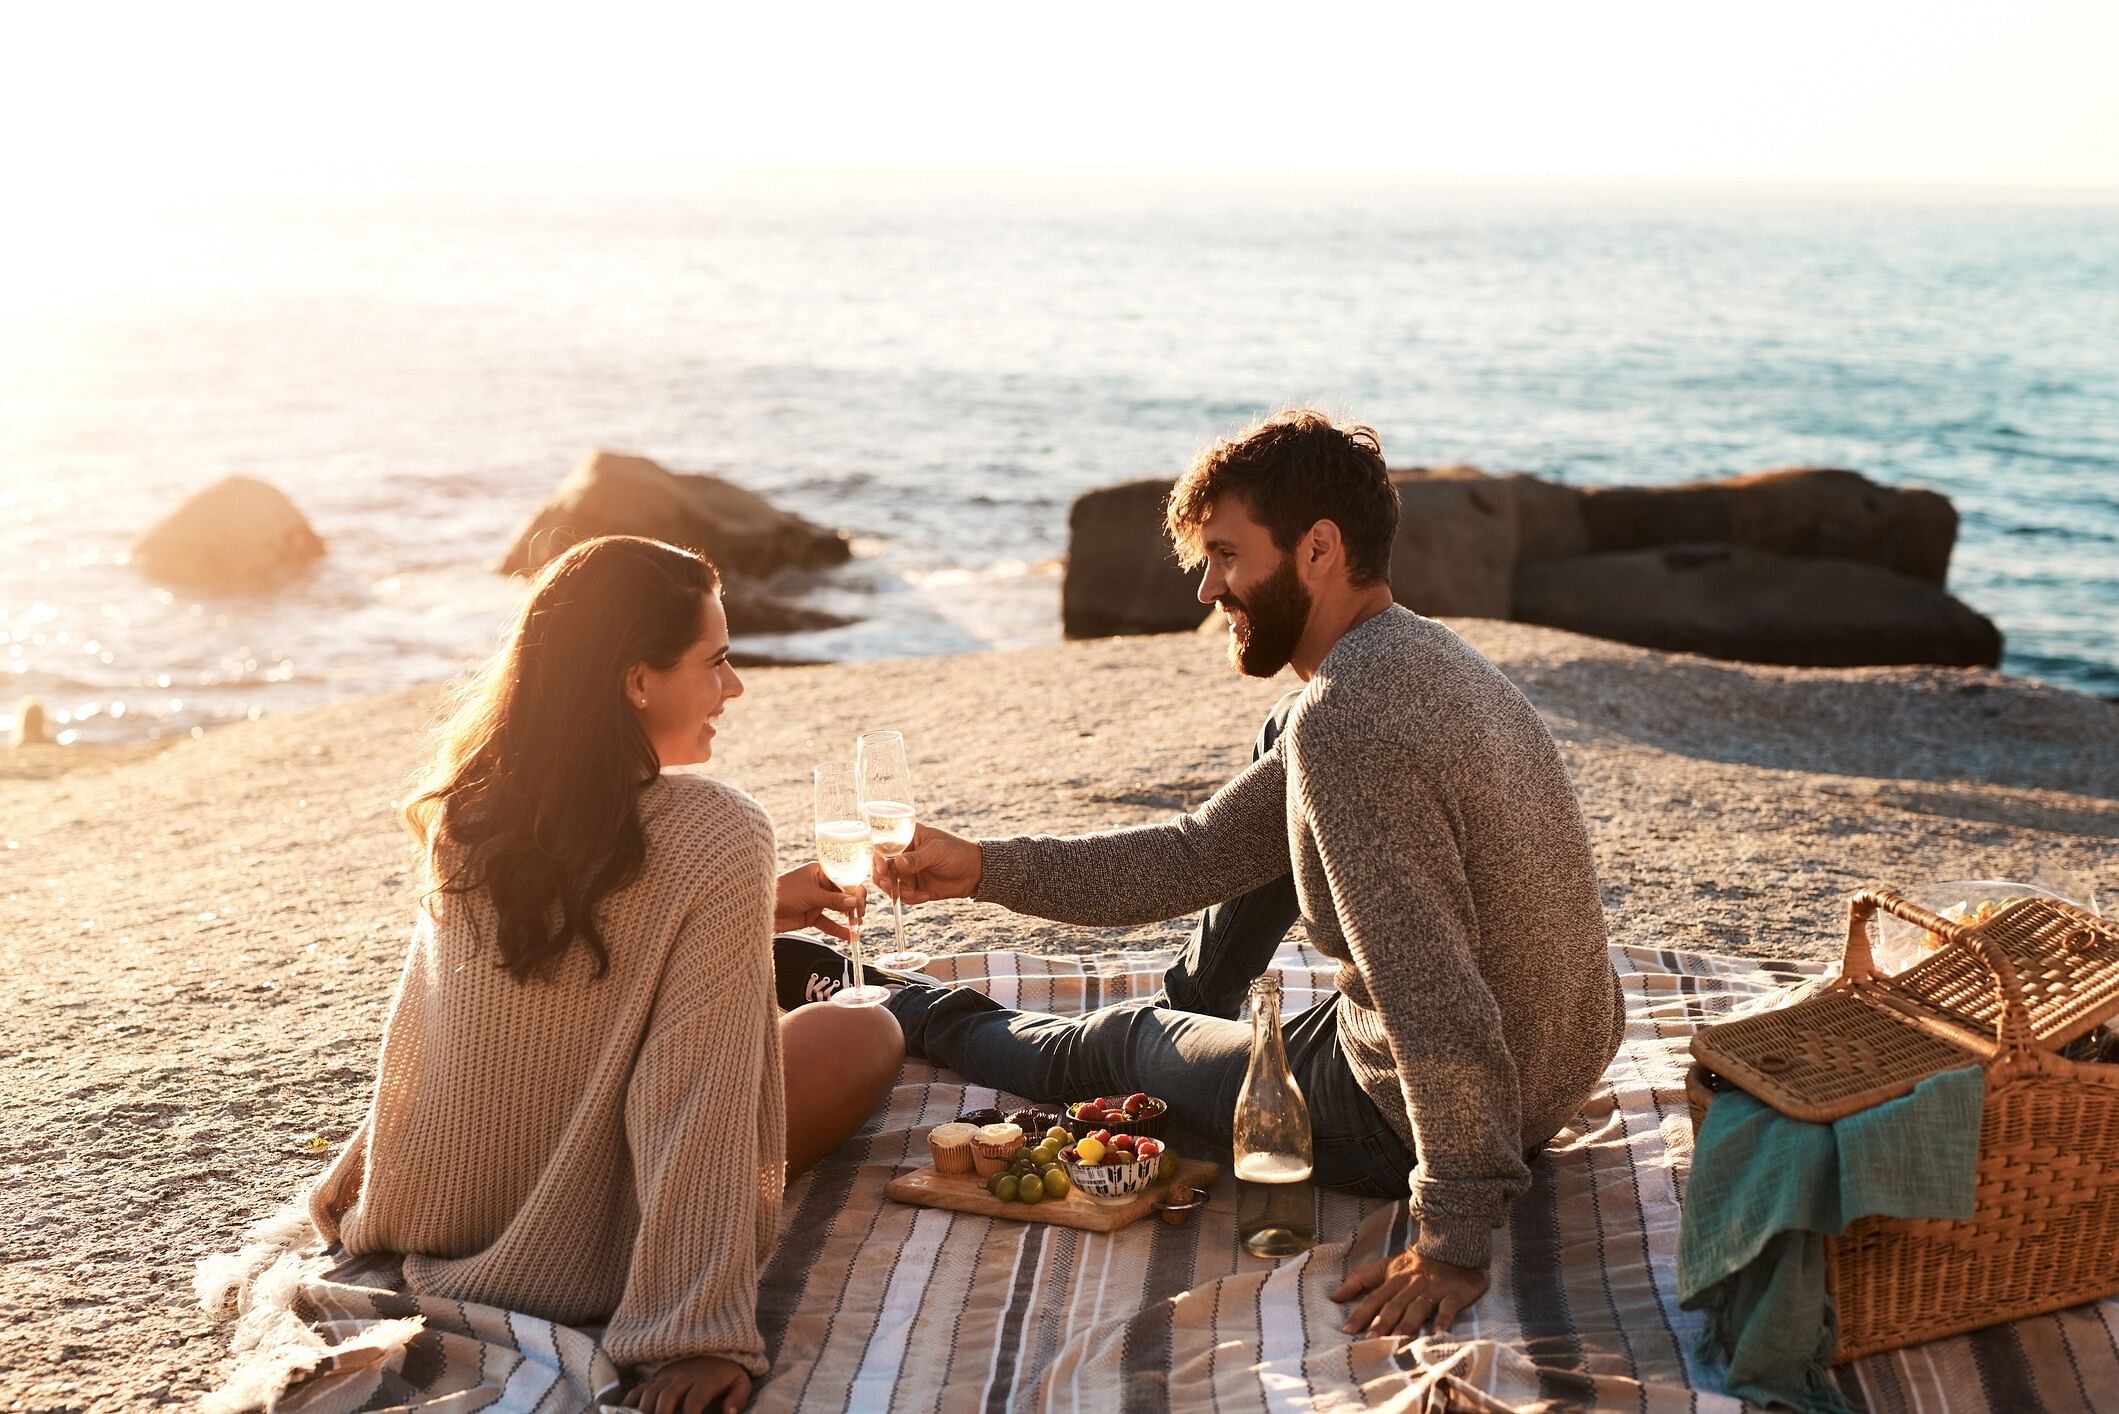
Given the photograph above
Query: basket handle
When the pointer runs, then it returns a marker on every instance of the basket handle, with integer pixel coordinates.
(2013, 1033)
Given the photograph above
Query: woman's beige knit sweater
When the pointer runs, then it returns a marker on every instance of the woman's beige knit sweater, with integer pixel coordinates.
(589, 1149)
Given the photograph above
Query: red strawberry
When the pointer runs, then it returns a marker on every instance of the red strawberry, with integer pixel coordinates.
(1101, 1136)
(1148, 1148)
(1137, 1101)
(1123, 1141)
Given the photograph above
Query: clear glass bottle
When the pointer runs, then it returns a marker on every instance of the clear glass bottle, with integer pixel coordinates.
(1276, 1205)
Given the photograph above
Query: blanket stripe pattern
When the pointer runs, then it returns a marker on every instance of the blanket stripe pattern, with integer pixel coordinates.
(868, 1304)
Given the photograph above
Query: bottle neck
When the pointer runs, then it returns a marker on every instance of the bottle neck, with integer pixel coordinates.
(1265, 1024)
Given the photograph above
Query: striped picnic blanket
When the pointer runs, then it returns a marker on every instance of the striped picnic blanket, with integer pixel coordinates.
(872, 1305)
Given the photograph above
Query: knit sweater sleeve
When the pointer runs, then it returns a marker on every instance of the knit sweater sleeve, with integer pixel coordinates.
(1232, 844)
(1391, 852)
(705, 1124)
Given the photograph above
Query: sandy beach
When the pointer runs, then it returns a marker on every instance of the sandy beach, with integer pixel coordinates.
(200, 941)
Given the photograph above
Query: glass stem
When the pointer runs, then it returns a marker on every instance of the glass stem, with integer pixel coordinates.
(853, 947)
(897, 908)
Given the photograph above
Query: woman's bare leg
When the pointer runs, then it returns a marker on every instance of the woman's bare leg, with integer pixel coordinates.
(840, 1062)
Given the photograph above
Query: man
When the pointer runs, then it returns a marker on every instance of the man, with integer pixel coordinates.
(1420, 810)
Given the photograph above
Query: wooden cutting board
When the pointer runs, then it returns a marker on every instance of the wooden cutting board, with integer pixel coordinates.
(966, 1193)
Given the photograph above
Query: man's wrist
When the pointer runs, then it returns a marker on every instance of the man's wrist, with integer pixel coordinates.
(1462, 1242)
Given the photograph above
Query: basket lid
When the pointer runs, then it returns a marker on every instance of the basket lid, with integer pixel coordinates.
(1866, 1040)
(2066, 961)
(1827, 1056)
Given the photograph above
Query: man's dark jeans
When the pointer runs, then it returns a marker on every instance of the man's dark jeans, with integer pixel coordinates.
(1184, 1046)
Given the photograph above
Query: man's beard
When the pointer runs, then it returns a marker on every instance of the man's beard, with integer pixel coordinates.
(1274, 616)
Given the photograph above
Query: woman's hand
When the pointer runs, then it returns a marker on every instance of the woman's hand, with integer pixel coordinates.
(937, 865)
(801, 896)
(1403, 1293)
(704, 1384)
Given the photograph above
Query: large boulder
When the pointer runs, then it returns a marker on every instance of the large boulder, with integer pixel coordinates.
(1455, 551)
(239, 535)
(610, 494)
(1122, 576)
(1549, 520)
(1815, 512)
(1454, 554)
(1727, 601)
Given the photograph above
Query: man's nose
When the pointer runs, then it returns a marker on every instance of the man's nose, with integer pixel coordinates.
(1210, 584)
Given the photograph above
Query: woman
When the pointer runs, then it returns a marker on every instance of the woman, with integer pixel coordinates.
(580, 1111)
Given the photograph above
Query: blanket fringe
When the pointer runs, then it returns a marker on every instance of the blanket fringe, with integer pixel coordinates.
(260, 1286)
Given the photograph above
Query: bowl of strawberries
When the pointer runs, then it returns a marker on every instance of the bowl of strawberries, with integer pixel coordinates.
(1138, 1114)
(1106, 1165)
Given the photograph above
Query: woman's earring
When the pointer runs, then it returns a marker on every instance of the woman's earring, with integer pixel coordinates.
(641, 704)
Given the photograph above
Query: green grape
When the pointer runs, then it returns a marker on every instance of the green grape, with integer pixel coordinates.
(1055, 1183)
(1004, 1187)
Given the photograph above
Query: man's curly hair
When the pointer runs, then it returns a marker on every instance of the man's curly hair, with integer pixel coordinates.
(1292, 470)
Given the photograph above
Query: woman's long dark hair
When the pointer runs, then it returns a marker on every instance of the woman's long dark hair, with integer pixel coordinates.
(532, 795)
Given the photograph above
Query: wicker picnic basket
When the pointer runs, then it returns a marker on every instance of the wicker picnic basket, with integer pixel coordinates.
(2006, 995)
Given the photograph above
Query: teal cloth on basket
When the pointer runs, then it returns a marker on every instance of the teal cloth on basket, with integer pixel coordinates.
(1767, 1191)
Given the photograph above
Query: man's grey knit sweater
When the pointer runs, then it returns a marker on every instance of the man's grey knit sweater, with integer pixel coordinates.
(1439, 854)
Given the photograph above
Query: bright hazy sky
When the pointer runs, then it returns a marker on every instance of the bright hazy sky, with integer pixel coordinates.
(2001, 92)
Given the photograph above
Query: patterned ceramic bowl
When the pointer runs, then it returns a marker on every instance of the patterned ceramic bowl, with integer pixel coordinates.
(1108, 1180)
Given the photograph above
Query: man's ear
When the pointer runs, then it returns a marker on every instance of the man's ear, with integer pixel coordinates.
(1321, 550)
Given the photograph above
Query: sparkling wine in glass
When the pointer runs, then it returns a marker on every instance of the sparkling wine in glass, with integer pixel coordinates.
(886, 803)
(843, 845)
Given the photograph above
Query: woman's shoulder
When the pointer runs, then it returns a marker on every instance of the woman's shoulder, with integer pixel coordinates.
(686, 812)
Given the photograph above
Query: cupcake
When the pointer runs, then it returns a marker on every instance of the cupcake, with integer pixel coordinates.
(951, 1146)
(993, 1146)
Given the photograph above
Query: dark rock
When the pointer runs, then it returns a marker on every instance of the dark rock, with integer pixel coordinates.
(610, 494)
(754, 609)
(1122, 576)
(1724, 601)
(238, 535)
(1455, 552)
(1549, 520)
(1812, 512)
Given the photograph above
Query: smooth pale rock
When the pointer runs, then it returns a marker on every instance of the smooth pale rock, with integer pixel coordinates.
(1122, 576)
(612, 494)
(1455, 551)
(1821, 512)
(32, 727)
(1730, 602)
(239, 534)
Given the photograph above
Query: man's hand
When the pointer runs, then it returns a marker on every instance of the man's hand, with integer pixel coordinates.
(704, 1384)
(1406, 1291)
(801, 896)
(937, 865)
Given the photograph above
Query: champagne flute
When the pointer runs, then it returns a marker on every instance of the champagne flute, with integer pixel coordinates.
(843, 844)
(886, 803)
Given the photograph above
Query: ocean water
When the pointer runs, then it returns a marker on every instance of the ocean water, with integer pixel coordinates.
(940, 363)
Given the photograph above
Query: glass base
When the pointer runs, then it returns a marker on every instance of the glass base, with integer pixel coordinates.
(860, 996)
(1277, 1242)
(910, 960)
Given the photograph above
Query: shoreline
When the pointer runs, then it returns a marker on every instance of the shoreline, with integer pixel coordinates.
(43, 761)
(206, 934)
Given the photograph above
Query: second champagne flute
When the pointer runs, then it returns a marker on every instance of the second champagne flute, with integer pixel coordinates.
(843, 844)
(886, 803)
